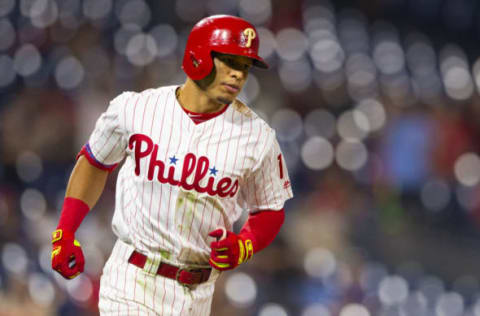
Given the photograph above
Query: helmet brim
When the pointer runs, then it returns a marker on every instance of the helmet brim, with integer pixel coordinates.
(257, 60)
(260, 63)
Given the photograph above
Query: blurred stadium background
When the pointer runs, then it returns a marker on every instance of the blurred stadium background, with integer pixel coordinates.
(376, 105)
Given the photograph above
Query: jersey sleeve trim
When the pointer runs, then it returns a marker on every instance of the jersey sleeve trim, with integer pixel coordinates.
(87, 152)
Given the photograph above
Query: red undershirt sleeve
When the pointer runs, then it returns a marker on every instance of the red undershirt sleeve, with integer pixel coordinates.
(262, 227)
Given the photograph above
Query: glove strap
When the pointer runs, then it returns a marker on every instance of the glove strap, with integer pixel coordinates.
(60, 234)
(57, 235)
(245, 248)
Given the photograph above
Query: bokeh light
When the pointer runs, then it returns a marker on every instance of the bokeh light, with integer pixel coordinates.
(393, 290)
(268, 43)
(6, 7)
(467, 169)
(467, 197)
(14, 258)
(45, 258)
(241, 289)
(320, 122)
(375, 113)
(222, 6)
(141, 49)
(255, 11)
(190, 10)
(450, 304)
(27, 60)
(415, 304)
(166, 39)
(7, 70)
(353, 31)
(354, 310)
(435, 195)
(69, 73)
(388, 56)
(29, 166)
(351, 155)
(287, 123)
(41, 289)
(320, 263)
(95, 258)
(432, 288)
(326, 53)
(317, 153)
(8, 34)
(361, 77)
(43, 13)
(456, 75)
(33, 204)
(135, 12)
(467, 286)
(291, 44)
(371, 276)
(97, 9)
(296, 76)
(316, 310)
(353, 125)
(124, 35)
(80, 289)
(272, 309)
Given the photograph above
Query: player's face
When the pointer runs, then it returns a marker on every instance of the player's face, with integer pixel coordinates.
(229, 76)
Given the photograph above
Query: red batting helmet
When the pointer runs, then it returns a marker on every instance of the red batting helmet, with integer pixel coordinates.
(223, 34)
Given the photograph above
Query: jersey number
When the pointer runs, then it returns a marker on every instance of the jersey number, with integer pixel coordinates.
(280, 165)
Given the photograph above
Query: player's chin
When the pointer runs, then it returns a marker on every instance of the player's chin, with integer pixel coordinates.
(226, 99)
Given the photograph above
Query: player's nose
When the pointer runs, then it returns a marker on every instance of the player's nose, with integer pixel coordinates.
(238, 74)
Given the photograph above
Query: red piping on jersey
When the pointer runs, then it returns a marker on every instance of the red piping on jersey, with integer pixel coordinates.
(198, 118)
(262, 227)
(87, 152)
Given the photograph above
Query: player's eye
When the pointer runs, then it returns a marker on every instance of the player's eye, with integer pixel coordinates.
(235, 64)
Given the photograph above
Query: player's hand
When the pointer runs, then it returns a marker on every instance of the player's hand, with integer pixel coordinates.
(67, 255)
(229, 250)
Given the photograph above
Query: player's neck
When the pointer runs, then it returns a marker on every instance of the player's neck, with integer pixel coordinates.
(192, 98)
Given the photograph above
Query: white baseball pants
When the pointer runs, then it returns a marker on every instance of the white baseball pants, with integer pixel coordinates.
(125, 289)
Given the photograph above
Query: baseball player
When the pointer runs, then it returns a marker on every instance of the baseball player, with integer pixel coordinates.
(195, 158)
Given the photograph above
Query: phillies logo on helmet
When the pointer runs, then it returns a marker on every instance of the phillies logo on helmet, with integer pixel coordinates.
(250, 34)
(192, 166)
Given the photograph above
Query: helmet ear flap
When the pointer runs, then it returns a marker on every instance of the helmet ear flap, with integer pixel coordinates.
(197, 63)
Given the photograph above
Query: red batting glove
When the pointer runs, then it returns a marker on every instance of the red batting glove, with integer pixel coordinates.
(228, 253)
(67, 255)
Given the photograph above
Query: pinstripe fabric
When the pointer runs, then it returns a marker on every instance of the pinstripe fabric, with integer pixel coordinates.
(166, 297)
(179, 181)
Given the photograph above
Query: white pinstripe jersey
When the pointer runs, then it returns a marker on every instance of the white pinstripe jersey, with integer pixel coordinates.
(181, 180)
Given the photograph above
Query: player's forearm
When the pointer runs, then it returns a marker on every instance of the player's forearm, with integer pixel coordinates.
(85, 186)
(86, 182)
(83, 190)
(262, 227)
